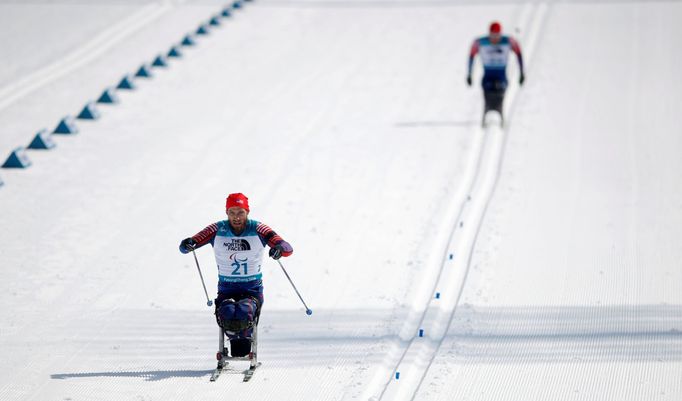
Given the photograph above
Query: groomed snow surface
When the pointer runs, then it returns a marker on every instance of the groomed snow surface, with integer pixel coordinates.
(539, 261)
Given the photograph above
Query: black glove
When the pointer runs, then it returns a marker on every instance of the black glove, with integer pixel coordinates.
(522, 79)
(469, 80)
(276, 251)
(187, 245)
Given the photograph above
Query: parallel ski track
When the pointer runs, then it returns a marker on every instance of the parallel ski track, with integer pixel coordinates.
(82, 55)
(534, 28)
(417, 354)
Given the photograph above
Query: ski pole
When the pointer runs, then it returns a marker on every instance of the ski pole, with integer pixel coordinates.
(208, 301)
(308, 311)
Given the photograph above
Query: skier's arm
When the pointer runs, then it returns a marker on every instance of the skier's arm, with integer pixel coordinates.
(472, 54)
(516, 48)
(273, 240)
(199, 239)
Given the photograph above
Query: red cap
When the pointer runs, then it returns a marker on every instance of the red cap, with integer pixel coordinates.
(495, 27)
(237, 200)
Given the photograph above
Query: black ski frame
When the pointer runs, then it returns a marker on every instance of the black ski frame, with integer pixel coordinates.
(224, 358)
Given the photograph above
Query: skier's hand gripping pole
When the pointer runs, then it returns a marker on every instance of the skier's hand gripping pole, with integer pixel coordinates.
(308, 311)
(208, 301)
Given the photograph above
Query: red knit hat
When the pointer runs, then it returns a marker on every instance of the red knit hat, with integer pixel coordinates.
(495, 27)
(237, 200)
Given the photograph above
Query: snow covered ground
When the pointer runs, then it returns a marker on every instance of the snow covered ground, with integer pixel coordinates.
(552, 244)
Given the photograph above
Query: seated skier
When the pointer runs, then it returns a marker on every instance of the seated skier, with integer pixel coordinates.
(238, 243)
(493, 51)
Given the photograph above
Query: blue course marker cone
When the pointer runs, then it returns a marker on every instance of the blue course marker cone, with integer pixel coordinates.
(42, 140)
(126, 83)
(17, 159)
(226, 12)
(237, 4)
(188, 40)
(66, 126)
(144, 71)
(202, 30)
(89, 112)
(215, 21)
(160, 61)
(108, 96)
(174, 52)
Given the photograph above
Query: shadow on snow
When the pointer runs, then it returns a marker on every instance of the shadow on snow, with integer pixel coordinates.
(436, 124)
(150, 375)
(477, 335)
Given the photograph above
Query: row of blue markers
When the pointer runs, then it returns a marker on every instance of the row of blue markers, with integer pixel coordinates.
(67, 126)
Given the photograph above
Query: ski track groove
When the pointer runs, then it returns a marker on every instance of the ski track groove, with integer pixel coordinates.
(83, 54)
(481, 148)
(473, 163)
(536, 25)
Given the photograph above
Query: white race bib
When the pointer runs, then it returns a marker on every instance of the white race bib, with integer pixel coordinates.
(238, 258)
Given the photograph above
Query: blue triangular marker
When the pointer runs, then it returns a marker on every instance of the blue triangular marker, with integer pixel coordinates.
(42, 140)
(188, 41)
(160, 61)
(202, 30)
(215, 21)
(108, 96)
(143, 72)
(174, 52)
(126, 83)
(17, 159)
(237, 4)
(226, 12)
(66, 126)
(89, 112)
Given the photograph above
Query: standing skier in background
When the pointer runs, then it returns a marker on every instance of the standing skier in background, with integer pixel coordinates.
(493, 51)
(238, 243)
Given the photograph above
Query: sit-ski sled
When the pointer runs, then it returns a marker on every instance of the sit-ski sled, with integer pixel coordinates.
(494, 99)
(224, 357)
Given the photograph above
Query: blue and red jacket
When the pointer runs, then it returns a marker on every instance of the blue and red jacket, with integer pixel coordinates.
(239, 256)
(494, 56)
